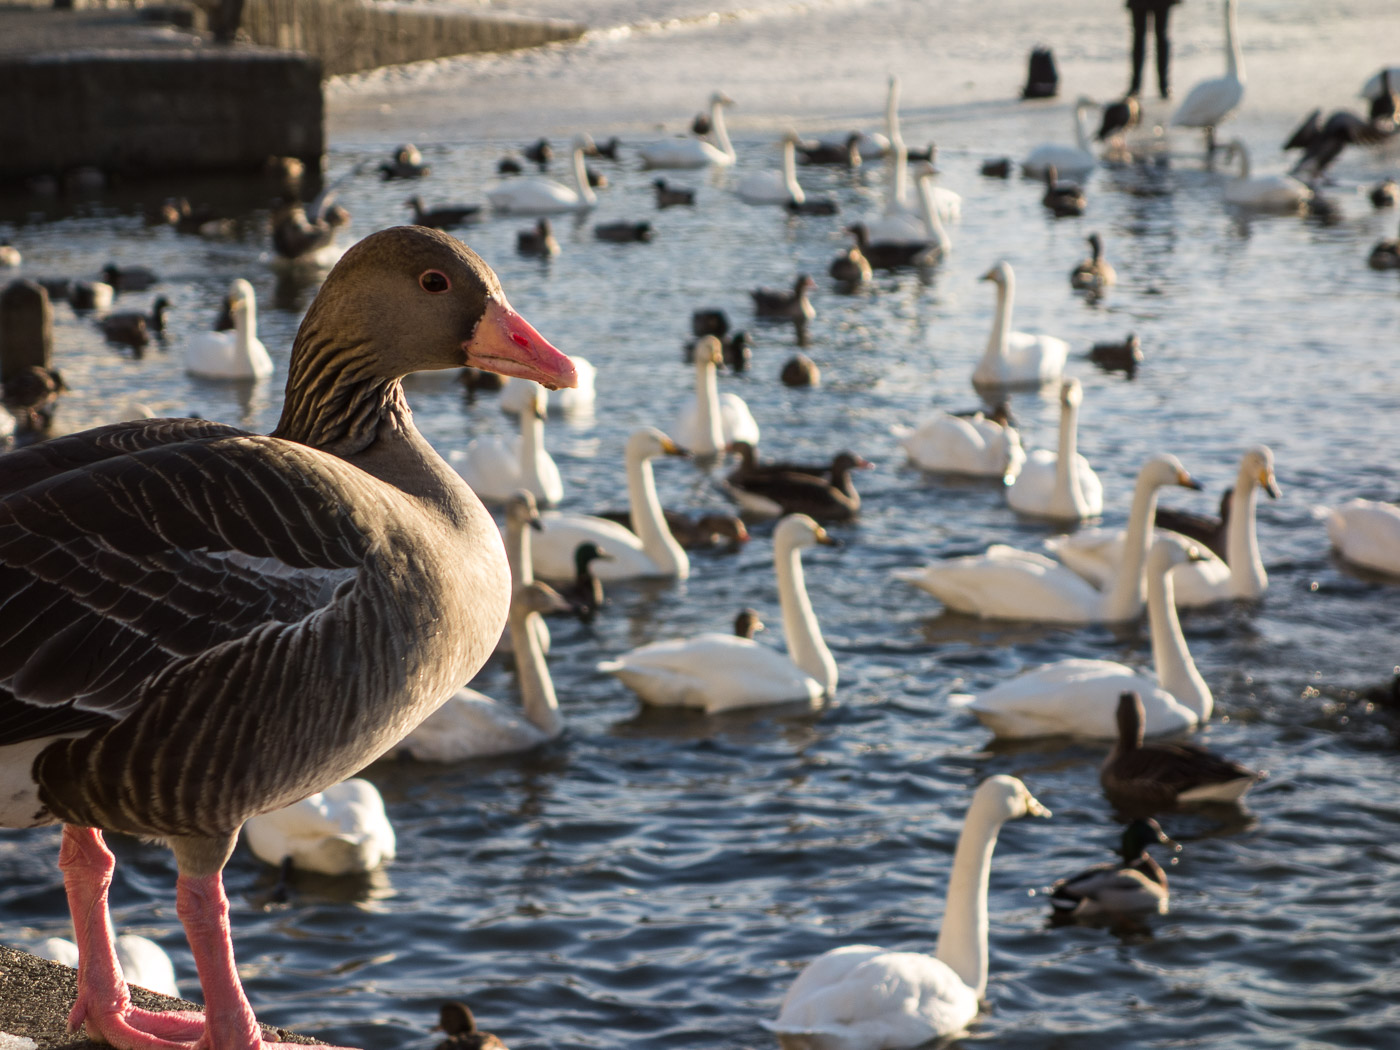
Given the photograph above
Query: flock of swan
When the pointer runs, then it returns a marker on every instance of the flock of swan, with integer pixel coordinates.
(858, 996)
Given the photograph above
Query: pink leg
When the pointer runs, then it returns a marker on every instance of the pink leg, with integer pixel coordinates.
(104, 1002)
(230, 1024)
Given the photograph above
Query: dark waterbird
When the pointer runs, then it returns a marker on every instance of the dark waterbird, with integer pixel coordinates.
(1322, 141)
(406, 163)
(444, 216)
(1122, 357)
(769, 492)
(295, 548)
(134, 329)
(537, 241)
(129, 278)
(800, 370)
(1064, 199)
(585, 591)
(541, 152)
(715, 528)
(623, 232)
(817, 152)
(1206, 529)
(1135, 885)
(668, 196)
(458, 1024)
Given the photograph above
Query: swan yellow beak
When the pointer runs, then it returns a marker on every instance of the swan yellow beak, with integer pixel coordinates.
(1034, 807)
(1186, 481)
(1267, 482)
(672, 449)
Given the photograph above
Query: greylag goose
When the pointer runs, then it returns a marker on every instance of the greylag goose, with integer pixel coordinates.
(888, 255)
(299, 236)
(1064, 199)
(750, 467)
(235, 595)
(1205, 529)
(793, 492)
(444, 216)
(1144, 777)
(407, 163)
(1118, 357)
(458, 1024)
(668, 196)
(1134, 886)
(1119, 117)
(539, 241)
(851, 268)
(129, 278)
(793, 305)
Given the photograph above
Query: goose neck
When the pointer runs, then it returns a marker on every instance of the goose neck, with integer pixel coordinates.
(537, 696)
(1247, 576)
(805, 645)
(1124, 600)
(331, 405)
(1176, 671)
(648, 519)
(585, 191)
(962, 941)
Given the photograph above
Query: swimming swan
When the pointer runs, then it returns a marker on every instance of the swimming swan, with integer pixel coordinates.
(1072, 162)
(538, 196)
(695, 153)
(721, 672)
(342, 830)
(1016, 359)
(238, 354)
(774, 187)
(1272, 192)
(495, 466)
(1059, 485)
(713, 420)
(861, 997)
(1367, 533)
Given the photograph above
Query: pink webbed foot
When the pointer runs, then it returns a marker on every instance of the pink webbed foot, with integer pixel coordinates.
(135, 1029)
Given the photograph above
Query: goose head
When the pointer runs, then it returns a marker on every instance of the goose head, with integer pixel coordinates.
(648, 442)
(1002, 798)
(1259, 461)
(424, 300)
(521, 509)
(724, 526)
(747, 624)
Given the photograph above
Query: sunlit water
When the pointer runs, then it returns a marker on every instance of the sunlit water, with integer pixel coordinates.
(656, 879)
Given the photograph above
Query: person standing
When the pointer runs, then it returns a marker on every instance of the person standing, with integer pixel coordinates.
(1158, 10)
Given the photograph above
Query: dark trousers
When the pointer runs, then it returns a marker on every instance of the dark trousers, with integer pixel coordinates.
(1164, 48)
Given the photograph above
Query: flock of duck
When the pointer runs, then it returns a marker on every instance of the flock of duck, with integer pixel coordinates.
(261, 616)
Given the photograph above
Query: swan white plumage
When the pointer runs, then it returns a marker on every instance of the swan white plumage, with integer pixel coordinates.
(1059, 485)
(1005, 583)
(861, 997)
(774, 187)
(947, 204)
(238, 354)
(1016, 359)
(1075, 162)
(713, 420)
(343, 830)
(973, 445)
(539, 196)
(649, 551)
(517, 395)
(472, 725)
(143, 961)
(1275, 191)
(1208, 103)
(721, 672)
(522, 520)
(1367, 533)
(1080, 697)
(495, 466)
(695, 153)
(1095, 553)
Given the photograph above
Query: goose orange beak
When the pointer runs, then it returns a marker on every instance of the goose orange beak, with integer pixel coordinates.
(506, 343)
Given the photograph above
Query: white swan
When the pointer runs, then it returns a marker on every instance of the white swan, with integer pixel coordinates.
(1059, 485)
(947, 204)
(650, 551)
(143, 961)
(1010, 584)
(1275, 191)
(1080, 697)
(539, 196)
(238, 354)
(973, 445)
(495, 466)
(1095, 553)
(695, 153)
(1016, 359)
(720, 672)
(1075, 162)
(713, 420)
(518, 394)
(472, 725)
(340, 831)
(774, 187)
(1367, 533)
(861, 997)
(1208, 103)
(522, 520)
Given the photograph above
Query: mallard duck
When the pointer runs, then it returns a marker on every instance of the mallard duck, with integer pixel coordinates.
(585, 591)
(1137, 885)
(1158, 775)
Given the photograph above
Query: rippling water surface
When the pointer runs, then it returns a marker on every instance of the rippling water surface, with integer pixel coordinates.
(657, 878)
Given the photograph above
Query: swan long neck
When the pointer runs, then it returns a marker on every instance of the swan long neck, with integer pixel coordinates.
(1234, 54)
(649, 522)
(721, 133)
(1001, 323)
(962, 942)
(800, 629)
(794, 188)
(1067, 499)
(1125, 598)
(1176, 671)
(933, 225)
(897, 158)
(245, 325)
(585, 191)
(892, 113)
(537, 696)
(519, 552)
(711, 422)
(531, 441)
(1081, 127)
(1247, 576)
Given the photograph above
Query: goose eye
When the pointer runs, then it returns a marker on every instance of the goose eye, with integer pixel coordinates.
(434, 281)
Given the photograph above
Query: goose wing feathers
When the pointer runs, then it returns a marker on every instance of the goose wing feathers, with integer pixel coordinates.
(124, 559)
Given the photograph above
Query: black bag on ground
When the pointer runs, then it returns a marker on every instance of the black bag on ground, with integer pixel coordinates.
(1042, 80)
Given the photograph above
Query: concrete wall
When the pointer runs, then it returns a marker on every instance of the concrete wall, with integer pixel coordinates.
(140, 113)
(352, 35)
